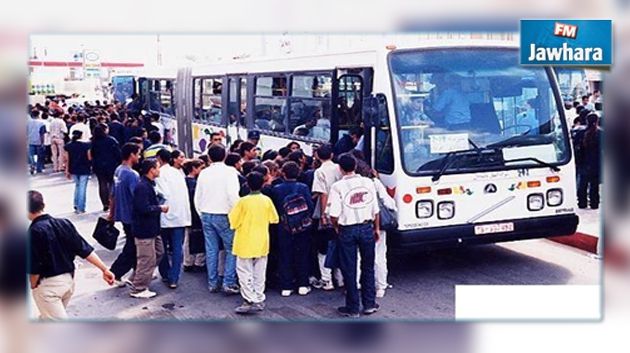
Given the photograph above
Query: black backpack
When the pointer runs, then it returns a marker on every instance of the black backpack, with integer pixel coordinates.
(296, 217)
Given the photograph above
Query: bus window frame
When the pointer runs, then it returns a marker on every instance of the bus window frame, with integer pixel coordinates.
(200, 100)
(553, 83)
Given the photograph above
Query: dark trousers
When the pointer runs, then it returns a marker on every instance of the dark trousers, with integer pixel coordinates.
(588, 184)
(293, 259)
(105, 184)
(351, 238)
(127, 258)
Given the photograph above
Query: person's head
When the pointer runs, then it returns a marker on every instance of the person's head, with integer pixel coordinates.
(347, 163)
(324, 152)
(233, 160)
(76, 135)
(155, 137)
(155, 117)
(576, 121)
(297, 157)
(130, 153)
(290, 170)
(269, 155)
(579, 109)
(596, 94)
(35, 204)
(247, 150)
(236, 145)
(113, 116)
(253, 137)
(272, 167)
(149, 169)
(81, 118)
(582, 116)
(44, 116)
(355, 134)
(100, 131)
(591, 120)
(585, 99)
(311, 122)
(205, 159)
(248, 167)
(163, 156)
(284, 152)
(216, 153)
(293, 146)
(178, 158)
(216, 139)
(193, 167)
(262, 169)
(255, 181)
(35, 113)
(138, 141)
(357, 154)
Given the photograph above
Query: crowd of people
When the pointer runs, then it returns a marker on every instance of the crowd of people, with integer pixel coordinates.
(249, 219)
(586, 135)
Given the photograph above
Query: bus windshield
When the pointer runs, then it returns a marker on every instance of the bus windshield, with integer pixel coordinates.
(478, 100)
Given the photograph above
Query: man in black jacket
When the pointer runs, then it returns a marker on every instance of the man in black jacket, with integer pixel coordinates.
(55, 243)
(146, 229)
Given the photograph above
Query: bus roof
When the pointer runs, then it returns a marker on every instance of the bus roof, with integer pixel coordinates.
(326, 61)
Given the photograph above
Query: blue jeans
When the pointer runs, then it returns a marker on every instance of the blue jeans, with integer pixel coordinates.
(36, 151)
(216, 229)
(359, 236)
(80, 188)
(173, 239)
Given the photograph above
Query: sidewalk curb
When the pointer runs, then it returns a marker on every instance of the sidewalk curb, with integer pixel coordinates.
(578, 240)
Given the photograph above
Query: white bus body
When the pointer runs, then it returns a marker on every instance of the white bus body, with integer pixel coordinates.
(515, 181)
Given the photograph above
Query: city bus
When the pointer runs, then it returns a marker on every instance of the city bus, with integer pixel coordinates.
(155, 89)
(473, 147)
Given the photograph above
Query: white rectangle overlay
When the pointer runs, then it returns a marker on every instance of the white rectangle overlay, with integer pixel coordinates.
(527, 302)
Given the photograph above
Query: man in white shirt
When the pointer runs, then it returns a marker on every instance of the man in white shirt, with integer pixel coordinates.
(58, 129)
(171, 186)
(325, 176)
(82, 126)
(353, 209)
(215, 195)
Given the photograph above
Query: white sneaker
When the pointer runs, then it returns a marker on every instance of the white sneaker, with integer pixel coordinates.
(145, 294)
(286, 293)
(315, 283)
(304, 290)
(119, 283)
(380, 293)
(328, 286)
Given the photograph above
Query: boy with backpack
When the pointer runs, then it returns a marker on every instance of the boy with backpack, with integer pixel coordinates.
(295, 206)
(250, 218)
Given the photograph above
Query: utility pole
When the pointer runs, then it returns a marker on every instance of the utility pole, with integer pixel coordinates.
(159, 51)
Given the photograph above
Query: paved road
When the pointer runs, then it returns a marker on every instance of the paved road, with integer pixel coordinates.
(424, 283)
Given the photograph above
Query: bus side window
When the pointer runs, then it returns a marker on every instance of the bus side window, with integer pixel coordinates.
(309, 111)
(211, 100)
(270, 103)
(349, 104)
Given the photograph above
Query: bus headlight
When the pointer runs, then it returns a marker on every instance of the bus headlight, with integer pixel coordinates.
(445, 210)
(535, 202)
(424, 208)
(554, 197)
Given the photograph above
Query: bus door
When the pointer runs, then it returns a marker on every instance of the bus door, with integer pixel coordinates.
(236, 108)
(351, 86)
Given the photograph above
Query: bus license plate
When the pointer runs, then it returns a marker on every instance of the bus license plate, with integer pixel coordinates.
(494, 228)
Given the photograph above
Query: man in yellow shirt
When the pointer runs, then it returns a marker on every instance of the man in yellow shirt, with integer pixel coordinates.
(250, 219)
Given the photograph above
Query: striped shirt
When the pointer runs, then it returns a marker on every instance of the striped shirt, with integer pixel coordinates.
(352, 200)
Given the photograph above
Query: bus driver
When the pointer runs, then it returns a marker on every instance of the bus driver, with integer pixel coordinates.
(447, 105)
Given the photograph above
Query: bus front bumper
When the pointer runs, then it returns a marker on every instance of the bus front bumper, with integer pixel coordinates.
(464, 234)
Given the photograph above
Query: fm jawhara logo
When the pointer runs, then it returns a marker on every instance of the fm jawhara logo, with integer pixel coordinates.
(566, 42)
